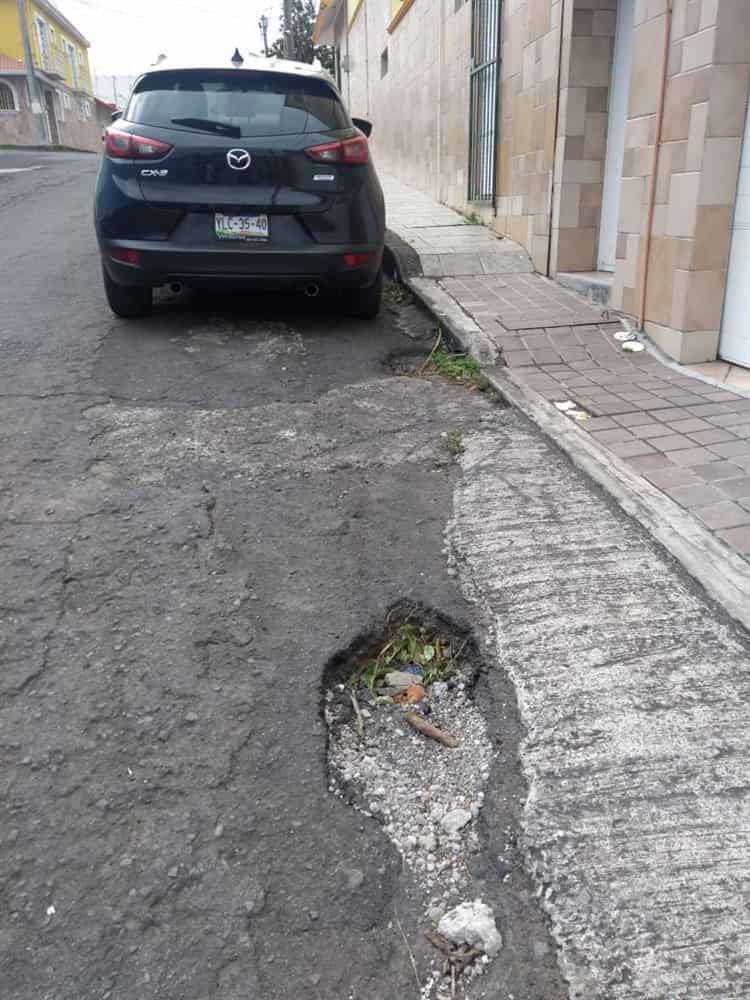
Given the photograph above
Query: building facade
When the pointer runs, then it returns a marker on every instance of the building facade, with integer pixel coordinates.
(62, 76)
(611, 138)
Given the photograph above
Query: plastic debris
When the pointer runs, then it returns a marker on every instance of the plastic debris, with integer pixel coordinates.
(400, 679)
(566, 405)
(623, 335)
(413, 668)
(579, 414)
(411, 695)
(633, 346)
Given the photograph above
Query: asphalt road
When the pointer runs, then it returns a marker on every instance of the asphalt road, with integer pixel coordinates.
(198, 512)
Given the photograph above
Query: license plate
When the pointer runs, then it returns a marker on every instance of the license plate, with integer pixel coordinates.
(242, 227)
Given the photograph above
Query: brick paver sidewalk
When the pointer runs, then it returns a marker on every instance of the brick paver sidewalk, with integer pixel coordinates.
(681, 431)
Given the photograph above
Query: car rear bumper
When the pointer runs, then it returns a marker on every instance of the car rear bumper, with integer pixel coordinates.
(257, 268)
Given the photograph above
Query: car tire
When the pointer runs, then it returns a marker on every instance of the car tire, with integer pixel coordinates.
(364, 303)
(128, 302)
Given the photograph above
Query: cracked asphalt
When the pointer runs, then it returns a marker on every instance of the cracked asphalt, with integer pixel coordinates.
(198, 511)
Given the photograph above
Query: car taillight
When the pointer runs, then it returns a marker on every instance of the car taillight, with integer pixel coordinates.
(344, 151)
(125, 256)
(125, 146)
(353, 260)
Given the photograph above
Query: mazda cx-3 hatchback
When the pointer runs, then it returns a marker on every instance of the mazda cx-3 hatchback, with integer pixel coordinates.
(253, 178)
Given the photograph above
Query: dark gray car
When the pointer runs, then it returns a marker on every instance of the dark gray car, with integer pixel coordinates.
(252, 178)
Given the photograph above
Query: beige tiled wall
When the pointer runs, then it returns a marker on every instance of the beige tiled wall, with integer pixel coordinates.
(549, 199)
(420, 108)
(696, 183)
(533, 62)
(526, 133)
(588, 33)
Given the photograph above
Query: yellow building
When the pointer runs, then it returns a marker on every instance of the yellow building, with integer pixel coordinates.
(64, 95)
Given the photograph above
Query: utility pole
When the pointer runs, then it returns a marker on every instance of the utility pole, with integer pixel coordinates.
(31, 81)
(289, 52)
(263, 25)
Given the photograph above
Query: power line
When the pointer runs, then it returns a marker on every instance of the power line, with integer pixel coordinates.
(107, 8)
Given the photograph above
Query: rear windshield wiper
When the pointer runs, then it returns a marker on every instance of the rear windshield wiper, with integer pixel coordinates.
(208, 125)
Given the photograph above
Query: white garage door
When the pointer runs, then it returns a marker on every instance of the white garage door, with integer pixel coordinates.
(734, 344)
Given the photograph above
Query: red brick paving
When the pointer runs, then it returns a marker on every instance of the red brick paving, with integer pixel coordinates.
(688, 437)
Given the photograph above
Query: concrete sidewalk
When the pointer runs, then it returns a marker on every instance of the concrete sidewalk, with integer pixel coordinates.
(670, 443)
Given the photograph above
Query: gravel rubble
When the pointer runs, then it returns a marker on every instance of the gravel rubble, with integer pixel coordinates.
(427, 796)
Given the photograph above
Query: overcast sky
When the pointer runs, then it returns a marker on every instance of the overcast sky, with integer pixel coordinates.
(127, 35)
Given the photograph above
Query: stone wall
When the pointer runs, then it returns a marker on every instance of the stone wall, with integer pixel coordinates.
(704, 114)
(17, 128)
(80, 133)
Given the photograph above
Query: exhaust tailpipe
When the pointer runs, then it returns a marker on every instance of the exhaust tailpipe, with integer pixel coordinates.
(312, 291)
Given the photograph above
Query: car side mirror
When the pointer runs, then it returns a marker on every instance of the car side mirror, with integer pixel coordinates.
(116, 115)
(363, 125)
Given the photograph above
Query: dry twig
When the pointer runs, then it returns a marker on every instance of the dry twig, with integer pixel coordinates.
(431, 355)
(427, 729)
(440, 942)
(408, 948)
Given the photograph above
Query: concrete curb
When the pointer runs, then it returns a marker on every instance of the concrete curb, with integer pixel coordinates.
(724, 574)
(457, 327)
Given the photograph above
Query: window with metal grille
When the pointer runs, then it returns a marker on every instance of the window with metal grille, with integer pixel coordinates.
(7, 98)
(483, 97)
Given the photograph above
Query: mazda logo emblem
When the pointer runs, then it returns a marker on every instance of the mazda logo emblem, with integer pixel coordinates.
(238, 159)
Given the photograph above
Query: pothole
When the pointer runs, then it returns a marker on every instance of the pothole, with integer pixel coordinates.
(406, 362)
(408, 747)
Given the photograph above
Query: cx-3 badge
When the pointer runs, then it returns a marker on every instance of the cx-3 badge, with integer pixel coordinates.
(238, 159)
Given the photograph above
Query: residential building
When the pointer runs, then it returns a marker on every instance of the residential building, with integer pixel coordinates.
(62, 75)
(605, 136)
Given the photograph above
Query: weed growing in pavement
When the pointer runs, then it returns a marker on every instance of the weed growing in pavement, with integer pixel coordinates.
(453, 443)
(457, 368)
(407, 644)
(394, 294)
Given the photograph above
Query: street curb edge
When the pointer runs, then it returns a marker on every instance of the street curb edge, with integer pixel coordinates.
(722, 573)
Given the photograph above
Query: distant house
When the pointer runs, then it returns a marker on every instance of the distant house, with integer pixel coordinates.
(104, 111)
(604, 135)
(114, 88)
(62, 75)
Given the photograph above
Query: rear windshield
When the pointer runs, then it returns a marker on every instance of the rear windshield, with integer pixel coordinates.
(236, 103)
